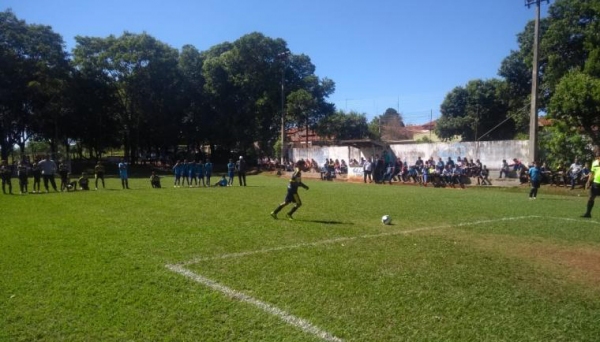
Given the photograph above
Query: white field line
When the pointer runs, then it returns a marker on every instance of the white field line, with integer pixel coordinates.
(344, 239)
(572, 220)
(290, 319)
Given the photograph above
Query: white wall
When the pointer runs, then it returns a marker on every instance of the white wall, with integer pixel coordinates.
(490, 153)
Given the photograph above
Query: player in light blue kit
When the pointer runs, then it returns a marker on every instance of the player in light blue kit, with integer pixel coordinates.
(200, 173)
(230, 172)
(208, 169)
(177, 171)
(123, 174)
(535, 177)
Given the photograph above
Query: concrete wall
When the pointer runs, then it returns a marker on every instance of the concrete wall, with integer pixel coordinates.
(490, 153)
(320, 153)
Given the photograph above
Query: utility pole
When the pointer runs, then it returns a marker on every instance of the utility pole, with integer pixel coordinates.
(533, 115)
(283, 56)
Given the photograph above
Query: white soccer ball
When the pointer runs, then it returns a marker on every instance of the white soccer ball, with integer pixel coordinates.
(386, 219)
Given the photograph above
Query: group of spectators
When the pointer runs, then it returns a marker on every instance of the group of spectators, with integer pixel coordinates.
(575, 174)
(330, 168)
(387, 169)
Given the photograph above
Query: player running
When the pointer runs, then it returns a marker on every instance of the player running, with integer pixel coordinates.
(292, 192)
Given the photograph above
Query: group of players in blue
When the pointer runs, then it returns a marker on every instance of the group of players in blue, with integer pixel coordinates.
(199, 173)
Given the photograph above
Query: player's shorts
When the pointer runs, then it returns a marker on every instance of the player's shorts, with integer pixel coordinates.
(293, 198)
(100, 175)
(535, 184)
(595, 189)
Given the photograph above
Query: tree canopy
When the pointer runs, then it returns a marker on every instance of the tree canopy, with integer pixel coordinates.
(569, 72)
(136, 92)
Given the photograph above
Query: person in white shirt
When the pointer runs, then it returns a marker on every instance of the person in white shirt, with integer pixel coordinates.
(367, 171)
(574, 172)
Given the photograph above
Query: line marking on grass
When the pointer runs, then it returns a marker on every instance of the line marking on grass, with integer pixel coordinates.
(344, 239)
(298, 322)
(582, 220)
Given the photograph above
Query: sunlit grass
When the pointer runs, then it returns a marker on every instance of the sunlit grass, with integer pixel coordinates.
(92, 265)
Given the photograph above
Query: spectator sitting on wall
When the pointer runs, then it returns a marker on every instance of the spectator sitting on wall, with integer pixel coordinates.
(343, 167)
(504, 169)
(440, 166)
(517, 165)
(482, 179)
(389, 173)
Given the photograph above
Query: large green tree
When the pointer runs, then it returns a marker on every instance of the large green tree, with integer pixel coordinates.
(243, 82)
(576, 102)
(33, 74)
(476, 112)
(143, 73)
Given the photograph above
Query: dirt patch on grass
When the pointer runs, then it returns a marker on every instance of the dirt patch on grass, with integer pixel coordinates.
(577, 263)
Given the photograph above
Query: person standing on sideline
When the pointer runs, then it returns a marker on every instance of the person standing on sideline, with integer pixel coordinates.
(535, 177)
(123, 174)
(593, 183)
(177, 171)
(22, 174)
(6, 173)
(48, 168)
(200, 173)
(63, 171)
(37, 176)
(367, 170)
(292, 192)
(99, 174)
(208, 169)
(230, 172)
(241, 169)
(574, 172)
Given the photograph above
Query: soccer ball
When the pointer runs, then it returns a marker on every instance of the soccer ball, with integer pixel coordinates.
(386, 219)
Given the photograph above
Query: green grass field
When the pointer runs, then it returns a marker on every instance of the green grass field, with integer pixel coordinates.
(210, 264)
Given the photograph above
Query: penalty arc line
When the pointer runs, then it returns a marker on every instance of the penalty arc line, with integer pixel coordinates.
(344, 239)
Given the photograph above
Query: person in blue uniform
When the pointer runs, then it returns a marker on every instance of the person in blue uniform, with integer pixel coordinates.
(200, 173)
(222, 182)
(177, 171)
(535, 178)
(208, 169)
(292, 192)
(230, 172)
(123, 174)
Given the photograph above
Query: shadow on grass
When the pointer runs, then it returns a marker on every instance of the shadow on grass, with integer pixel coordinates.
(325, 222)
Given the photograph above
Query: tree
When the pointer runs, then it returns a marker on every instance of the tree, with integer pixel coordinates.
(561, 143)
(476, 112)
(344, 126)
(391, 125)
(576, 102)
(143, 74)
(34, 69)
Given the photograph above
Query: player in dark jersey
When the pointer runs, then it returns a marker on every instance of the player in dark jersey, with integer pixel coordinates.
(99, 174)
(292, 192)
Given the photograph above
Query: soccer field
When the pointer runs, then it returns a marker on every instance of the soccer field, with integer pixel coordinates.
(210, 264)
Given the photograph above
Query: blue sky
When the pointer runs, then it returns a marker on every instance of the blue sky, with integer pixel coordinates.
(402, 54)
